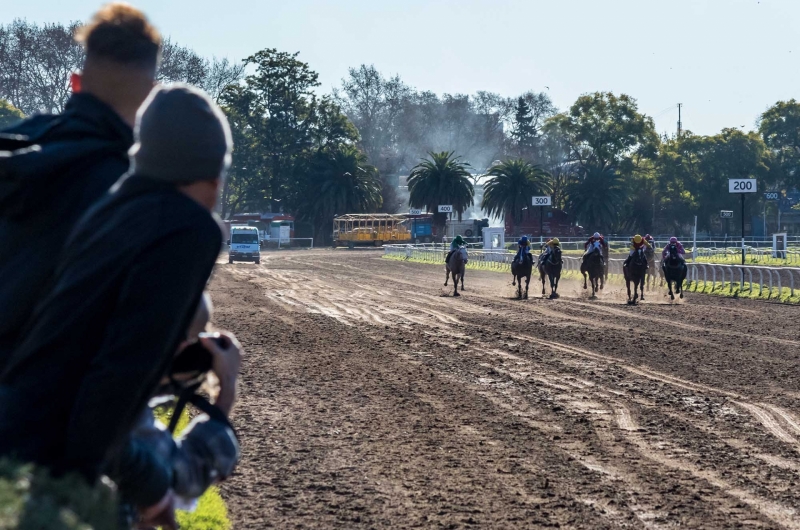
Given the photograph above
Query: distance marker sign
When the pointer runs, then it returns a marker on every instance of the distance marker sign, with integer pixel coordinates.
(541, 201)
(726, 214)
(742, 185)
(445, 208)
(415, 211)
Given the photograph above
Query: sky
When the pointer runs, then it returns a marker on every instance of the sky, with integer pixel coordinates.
(726, 61)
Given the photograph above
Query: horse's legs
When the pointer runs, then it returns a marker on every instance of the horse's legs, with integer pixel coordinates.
(584, 282)
(527, 282)
(669, 286)
(628, 285)
(519, 287)
(462, 279)
(541, 277)
(455, 285)
(446, 275)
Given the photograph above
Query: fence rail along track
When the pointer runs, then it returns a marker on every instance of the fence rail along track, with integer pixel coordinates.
(715, 277)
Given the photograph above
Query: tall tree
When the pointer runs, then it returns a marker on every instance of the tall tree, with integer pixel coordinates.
(36, 63)
(247, 182)
(338, 180)
(524, 131)
(9, 114)
(596, 199)
(510, 187)
(441, 179)
(603, 131)
(693, 173)
(280, 95)
(779, 127)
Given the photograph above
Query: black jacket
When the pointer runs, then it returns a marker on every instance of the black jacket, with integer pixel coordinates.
(124, 292)
(52, 168)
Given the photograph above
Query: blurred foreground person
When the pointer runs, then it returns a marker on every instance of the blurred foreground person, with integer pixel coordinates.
(154, 472)
(125, 290)
(53, 167)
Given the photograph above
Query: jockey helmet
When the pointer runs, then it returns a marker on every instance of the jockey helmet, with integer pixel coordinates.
(596, 235)
(648, 237)
(637, 239)
(523, 240)
(555, 241)
(458, 239)
(673, 239)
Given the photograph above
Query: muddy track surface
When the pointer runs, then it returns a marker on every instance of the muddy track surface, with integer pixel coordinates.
(371, 398)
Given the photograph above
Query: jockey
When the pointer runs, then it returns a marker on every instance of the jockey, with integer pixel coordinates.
(650, 240)
(549, 247)
(457, 241)
(524, 249)
(595, 243)
(637, 242)
(674, 241)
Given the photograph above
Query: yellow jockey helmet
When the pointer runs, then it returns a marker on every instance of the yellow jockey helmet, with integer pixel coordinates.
(637, 239)
(555, 241)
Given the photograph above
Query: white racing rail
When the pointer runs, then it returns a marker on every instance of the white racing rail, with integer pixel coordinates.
(752, 276)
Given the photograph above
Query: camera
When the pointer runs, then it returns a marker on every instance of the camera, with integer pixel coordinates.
(195, 358)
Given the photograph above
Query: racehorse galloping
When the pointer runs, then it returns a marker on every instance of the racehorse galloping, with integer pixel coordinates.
(674, 269)
(551, 266)
(635, 272)
(652, 270)
(593, 265)
(522, 270)
(455, 267)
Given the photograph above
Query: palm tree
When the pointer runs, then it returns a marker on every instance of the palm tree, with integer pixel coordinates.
(596, 198)
(341, 182)
(511, 186)
(441, 179)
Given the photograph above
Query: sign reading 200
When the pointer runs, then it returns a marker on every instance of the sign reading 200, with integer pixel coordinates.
(742, 185)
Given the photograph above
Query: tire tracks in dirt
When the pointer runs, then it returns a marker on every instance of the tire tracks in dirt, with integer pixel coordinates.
(695, 440)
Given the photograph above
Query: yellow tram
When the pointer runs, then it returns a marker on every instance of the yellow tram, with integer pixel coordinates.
(372, 229)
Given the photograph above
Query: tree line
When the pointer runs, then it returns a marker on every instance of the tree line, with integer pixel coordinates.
(318, 155)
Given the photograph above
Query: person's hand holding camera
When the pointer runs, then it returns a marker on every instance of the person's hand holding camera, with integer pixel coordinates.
(161, 514)
(226, 353)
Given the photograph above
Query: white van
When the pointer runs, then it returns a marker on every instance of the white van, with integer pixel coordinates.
(244, 244)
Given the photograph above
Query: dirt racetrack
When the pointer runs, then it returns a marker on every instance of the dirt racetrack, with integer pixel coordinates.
(373, 399)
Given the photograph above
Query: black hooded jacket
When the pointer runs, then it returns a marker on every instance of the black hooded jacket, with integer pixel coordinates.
(52, 168)
(125, 289)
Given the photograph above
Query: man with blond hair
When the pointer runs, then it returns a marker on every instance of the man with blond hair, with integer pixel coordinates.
(54, 167)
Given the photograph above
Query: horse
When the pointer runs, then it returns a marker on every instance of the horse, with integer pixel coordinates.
(674, 269)
(552, 268)
(593, 265)
(652, 270)
(522, 270)
(455, 267)
(635, 272)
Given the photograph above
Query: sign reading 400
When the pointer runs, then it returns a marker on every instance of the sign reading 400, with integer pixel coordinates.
(742, 185)
(445, 208)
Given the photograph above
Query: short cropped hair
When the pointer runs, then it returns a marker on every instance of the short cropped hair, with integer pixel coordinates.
(120, 33)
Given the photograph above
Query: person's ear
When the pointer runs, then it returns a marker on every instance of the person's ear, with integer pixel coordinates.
(75, 81)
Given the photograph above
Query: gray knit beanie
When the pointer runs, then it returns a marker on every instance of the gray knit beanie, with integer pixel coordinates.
(181, 136)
